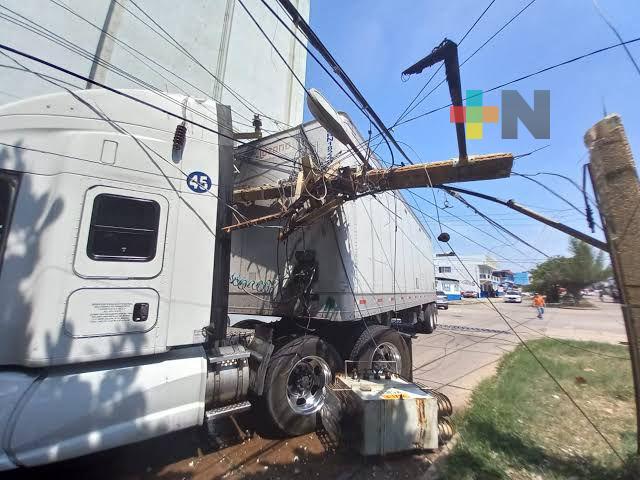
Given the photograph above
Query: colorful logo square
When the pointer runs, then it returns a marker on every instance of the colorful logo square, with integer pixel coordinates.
(474, 115)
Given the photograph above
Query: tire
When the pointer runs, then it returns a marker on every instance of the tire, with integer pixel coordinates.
(446, 307)
(430, 318)
(391, 346)
(313, 363)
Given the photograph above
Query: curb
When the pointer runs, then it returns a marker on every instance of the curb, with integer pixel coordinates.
(433, 471)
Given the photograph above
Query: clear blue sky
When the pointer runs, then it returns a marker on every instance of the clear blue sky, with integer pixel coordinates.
(375, 40)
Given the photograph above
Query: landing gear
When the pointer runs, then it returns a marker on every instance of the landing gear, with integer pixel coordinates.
(296, 382)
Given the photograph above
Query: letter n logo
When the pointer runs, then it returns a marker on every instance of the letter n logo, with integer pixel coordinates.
(536, 119)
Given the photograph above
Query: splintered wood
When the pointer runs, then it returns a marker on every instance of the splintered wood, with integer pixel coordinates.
(314, 195)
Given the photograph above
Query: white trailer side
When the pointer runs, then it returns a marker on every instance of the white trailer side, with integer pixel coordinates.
(374, 256)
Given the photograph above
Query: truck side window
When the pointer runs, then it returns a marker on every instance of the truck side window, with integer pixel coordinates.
(123, 229)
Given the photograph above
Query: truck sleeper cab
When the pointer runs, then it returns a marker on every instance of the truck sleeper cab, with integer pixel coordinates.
(107, 243)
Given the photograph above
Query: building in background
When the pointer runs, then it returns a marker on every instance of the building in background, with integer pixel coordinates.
(208, 49)
(450, 286)
(505, 281)
(521, 279)
(474, 273)
(505, 276)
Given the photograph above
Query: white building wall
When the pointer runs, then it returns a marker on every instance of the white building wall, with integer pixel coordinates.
(471, 272)
(218, 33)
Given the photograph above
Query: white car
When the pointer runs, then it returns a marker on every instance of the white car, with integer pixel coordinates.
(513, 297)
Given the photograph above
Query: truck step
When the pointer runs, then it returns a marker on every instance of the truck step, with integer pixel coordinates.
(221, 412)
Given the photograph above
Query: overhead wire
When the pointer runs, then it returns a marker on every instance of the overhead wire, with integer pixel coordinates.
(617, 34)
(168, 38)
(134, 52)
(462, 220)
(555, 194)
(559, 175)
(326, 54)
(484, 247)
(73, 47)
(546, 369)
(495, 34)
(497, 225)
(525, 77)
(408, 108)
(131, 97)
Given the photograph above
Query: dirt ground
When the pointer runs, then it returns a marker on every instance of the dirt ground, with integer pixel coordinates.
(466, 348)
(242, 454)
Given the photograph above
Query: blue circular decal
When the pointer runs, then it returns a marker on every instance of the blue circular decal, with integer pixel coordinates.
(199, 182)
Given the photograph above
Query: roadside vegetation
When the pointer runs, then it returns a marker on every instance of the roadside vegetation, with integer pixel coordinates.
(582, 269)
(519, 425)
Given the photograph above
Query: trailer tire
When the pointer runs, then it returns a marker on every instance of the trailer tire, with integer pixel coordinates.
(391, 346)
(295, 385)
(430, 318)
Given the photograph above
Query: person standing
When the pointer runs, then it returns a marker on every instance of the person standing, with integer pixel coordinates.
(538, 302)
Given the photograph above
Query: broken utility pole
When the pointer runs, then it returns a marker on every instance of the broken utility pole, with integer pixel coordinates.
(512, 204)
(340, 184)
(447, 52)
(615, 182)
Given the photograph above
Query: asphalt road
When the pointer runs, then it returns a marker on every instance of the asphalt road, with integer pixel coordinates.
(472, 337)
(465, 348)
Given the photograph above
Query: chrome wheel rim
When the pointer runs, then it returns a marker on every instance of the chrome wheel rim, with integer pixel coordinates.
(386, 352)
(306, 385)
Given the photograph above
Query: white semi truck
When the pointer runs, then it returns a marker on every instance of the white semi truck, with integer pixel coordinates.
(115, 277)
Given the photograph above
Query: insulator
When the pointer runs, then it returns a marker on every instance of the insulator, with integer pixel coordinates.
(179, 137)
(257, 123)
(444, 237)
(590, 221)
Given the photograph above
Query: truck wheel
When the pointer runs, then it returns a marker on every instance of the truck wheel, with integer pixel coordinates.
(390, 347)
(296, 381)
(430, 315)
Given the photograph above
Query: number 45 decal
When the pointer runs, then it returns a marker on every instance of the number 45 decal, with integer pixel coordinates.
(199, 182)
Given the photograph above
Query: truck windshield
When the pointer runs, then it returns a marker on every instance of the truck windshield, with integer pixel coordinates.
(8, 188)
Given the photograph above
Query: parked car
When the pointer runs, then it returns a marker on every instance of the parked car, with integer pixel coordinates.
(513, 297)
(441, 300)
(469, 294)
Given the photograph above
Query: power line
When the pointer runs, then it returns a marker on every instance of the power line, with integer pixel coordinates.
(559, 175)
(465, 222)
(546, 370)
(617, 34)
(465, 61)
(132, 49)
(131, 97)
(484, 247)
(168, 38)
(524, 77)
(497, 225)
(290, 68)
(326, 70)
(554, 193)
(302, 24)
(408, 108)
(73, 47)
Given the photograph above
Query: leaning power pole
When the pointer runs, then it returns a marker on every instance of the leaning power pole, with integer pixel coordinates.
(615, 182)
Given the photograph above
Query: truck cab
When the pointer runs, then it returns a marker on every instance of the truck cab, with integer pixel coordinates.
(112, 283)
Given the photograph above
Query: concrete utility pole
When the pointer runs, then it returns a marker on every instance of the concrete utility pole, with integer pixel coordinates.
(615, 182)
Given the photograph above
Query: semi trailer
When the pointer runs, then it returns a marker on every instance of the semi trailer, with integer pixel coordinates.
(116, 276)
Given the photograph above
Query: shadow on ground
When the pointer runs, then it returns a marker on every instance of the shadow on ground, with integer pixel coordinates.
(240, 454)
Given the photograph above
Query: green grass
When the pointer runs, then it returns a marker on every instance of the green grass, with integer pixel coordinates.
(519, 425)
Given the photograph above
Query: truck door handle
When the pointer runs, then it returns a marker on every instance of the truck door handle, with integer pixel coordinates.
(140, 312)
